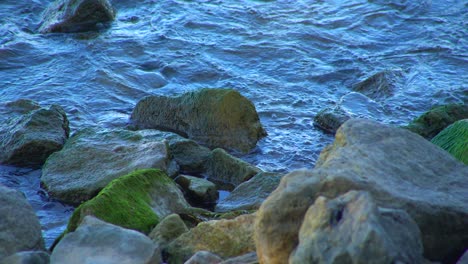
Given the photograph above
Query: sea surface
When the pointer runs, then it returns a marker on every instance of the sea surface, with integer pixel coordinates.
(291, 58)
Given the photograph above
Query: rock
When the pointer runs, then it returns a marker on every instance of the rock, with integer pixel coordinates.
(19, 227)
(32, 134)
(399, 169)
(204, 257)
(226, 169)
(95, 241)
(380, 85)
(464, 258)
(352, 229)
(331, 118)
(435, 120)
(225, 238)
(27, 257)
(214, 117)
(250, 195)
(170, 228)
(76, 16)
(454, 139)
(135, 201)
(199, 191)
(249, 258)
(91, 159)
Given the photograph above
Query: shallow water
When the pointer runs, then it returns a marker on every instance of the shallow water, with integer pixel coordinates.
(291, 58)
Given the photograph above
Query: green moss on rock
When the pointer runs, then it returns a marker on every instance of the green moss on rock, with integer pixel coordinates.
(124, 202)
(454, 139)
(435, 120)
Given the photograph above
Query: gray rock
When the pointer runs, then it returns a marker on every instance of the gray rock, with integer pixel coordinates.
(400, 169)
(331, 118)
(382, 84)
(249, 258)
(351, 229)
(464, 258)
(96, 241)
(76, 15)
(225, 238)
(204, 257)
(19, 227)
(198, 190)
(250, 195)
(27, 257)
(170, 228)
(91, 159)
(32, 134)
(214, 117)
(224, 168)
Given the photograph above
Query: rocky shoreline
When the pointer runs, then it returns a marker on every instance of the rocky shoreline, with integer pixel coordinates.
(378, 194)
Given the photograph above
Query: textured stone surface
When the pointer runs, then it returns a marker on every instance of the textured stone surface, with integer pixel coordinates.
(27, 257)
(330, 119)
(204, 257)
(19, 227)
(454, 139)
(198, 190)
(250, 195)
(214, 117)
(96, 241)
(170, 228)
(351, 229)
(381, 85)
(32, 133)
(225, 238)
(249, 258)
(400, 169)
(91, 159)
(76, 15)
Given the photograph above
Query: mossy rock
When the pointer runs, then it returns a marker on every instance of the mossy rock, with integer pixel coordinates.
(435, 120)
(129, 201)
(454, 139)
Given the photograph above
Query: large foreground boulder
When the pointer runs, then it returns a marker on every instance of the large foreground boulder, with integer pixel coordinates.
(76, 15)
(91, 159)
(96, 241)
(214, 117)
(19, 227)
(436, 119)
(32, 133)
(454, 139)
(352, 229)
(225, 238)
(398, 168)
(135, 201)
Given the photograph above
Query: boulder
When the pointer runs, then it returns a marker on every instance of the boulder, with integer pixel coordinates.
(27, 257)
(95, 241)
(464, 258)
(91, 159)
(32, 133)
(170, 228)
(250, 195)
(198, 190)
(225, 238)
(331, 118)
(76, 15)
(381, 85)
(135, 201)
(204, 257)
(227, 170)
(352, 229)
(249, 258)
(19, 227)
(398, 168)
(454, 139)
(436, 119)
(213, 117)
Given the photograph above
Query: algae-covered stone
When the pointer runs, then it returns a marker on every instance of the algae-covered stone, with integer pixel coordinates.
(225, 168)
(96, 241)
(435, 120)
(214, 117)
(199, 191)
(170, 228)
(32, 133)
(91, 159)
(76, 15)
(225, 238)
(250, 195)
(135, 201)
(352, 229)
(454, 139)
